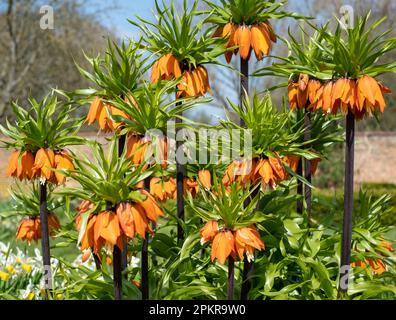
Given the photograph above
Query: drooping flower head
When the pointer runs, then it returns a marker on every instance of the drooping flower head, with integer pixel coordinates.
(116, 74)
(39, 138)
(182, 48)
(230, 224)
(235, 243)
(109, 228)
(30, 228)
(246, 26)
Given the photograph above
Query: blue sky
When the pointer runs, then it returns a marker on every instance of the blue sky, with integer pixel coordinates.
(116, 19)
(125, 9)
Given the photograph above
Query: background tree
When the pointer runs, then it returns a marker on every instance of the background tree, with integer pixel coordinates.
(35, 60)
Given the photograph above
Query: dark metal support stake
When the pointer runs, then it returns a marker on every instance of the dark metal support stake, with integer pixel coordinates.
(144, 257)
(117, 273)
(244, 83)
(119, 257)
(307, 165)
(300, 190)
(45, 238)
(98, 263)
(231, 280)
(179, 187)
(247, 266)
(348, 203)
(124, 253)
(247, 282)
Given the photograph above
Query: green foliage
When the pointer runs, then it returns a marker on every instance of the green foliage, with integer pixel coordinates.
(26, 202)
(227, 206)
(271, 130)
(247, 11)
(116, 74)
(47, 124)
(325, 130)
(326, 55)
(150, 108)
(178, 34)
(359, 52)
(107, 180)
(306, 55)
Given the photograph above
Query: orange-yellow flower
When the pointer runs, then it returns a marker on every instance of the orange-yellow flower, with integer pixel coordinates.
(258, 37)
(246, 240)
(141, 150)
(88, 239)
(62, 161)
(228, 31)
(163, 189)
(314, 165)
(243, 40)
(292, 161)
(165, 68)
(315, 94)
(44, 163)
(83, 207)
(21, 165)
(30, 228)
(107, 231)
(126, 219)
(151, 207)
(99, 111)
(234, 243)
(271, 171)
(278, 169)
(223, 246)
(265, 171)
(137, 149)
(239, 170)
(191, 186)
(209, 231)
(194, 83)
(377, 265)
(369, 95)
(305, 93)
(134, 217)
(204, 177)
(117, 112)
(94, 111)
(292, 89)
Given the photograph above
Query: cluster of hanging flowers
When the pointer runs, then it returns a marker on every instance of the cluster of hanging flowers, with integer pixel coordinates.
(163, 189)
(232, 243)
(377, 265)
(258, 37)
(362, 96)
(30, 228)
(108, 228)
(141, 150)
(20, 165)
(27, 166)
(165, 68)
(194, 82)
(269, 171)
(191, 184)
(100, 111)
(293, 162)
